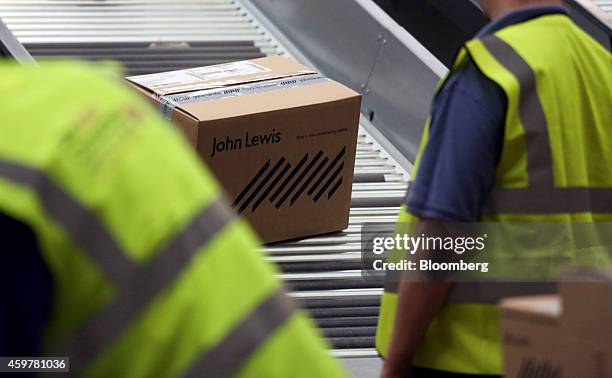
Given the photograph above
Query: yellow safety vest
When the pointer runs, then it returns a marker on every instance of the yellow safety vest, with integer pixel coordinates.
(556, 165)
(153, 276)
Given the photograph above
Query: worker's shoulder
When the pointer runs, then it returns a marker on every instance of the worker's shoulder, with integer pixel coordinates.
(467, 92)
(62, 79)
(466, 79)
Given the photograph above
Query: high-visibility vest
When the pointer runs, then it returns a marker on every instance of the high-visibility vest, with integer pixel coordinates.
(153, 277)
(555, 165)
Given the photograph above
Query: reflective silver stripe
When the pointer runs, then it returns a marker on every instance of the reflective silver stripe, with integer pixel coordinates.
(228, 356)
(82, 225)
(493, 292)
(144, 285)
(549, 201)
(486, 292)
(541, 197)
(138, 286)
(539, 155)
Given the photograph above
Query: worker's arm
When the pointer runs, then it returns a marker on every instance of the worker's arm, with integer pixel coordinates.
(454, 178)
(419, 300)
(418, 303)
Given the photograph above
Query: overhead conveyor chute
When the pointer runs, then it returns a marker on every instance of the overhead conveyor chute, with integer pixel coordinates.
(459, 20)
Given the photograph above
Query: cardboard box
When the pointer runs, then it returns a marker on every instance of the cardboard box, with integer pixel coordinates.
(280, 138)
(561, 336)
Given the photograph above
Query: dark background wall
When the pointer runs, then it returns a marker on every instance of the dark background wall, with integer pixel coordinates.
(442, 26)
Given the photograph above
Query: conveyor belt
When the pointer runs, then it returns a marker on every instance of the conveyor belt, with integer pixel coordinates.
(158, 35)
(605, 5)
(141, 58)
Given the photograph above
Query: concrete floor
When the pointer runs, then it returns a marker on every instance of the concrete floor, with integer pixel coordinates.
(363, 367)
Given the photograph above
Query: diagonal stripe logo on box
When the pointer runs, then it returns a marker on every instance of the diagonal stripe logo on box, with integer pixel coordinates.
(283, 183)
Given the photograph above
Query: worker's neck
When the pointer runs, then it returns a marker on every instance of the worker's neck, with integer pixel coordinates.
(497, 8)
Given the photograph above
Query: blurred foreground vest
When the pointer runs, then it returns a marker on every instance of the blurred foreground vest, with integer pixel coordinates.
(153, 277)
